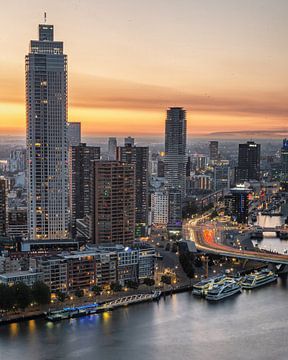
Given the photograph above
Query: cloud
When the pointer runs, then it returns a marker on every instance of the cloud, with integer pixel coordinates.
(276, 133)
(97, 92)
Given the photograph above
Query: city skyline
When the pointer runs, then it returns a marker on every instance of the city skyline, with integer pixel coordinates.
(229, 77)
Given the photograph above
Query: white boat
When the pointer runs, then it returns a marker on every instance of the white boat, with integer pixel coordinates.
(221, 291)
(203, 286)
(258, 278)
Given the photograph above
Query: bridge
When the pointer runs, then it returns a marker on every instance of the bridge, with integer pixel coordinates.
(132, 299)
(204, 237)
(280, 232)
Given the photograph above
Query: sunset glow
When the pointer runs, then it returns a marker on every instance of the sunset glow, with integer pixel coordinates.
(226, 66)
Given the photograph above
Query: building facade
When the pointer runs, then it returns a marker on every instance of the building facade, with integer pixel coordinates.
(213, 150)
(175, 149)
(3, 206)
(159, 207)
(139, 157)
(73, 133)
(47, 148)
(248, 162)
(113, 202)
(112, 146)
(80, 168)
(284, 165)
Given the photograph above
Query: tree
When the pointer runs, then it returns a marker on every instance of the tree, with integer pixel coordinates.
(132, 284)
(6, 297)
(116, 287)
(23, 295)
(165, 279)
(79, 293)
(41, 293)
(60, 296)
(97, 289)
(149, 282)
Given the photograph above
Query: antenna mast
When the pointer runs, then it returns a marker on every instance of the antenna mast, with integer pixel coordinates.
(45, 17)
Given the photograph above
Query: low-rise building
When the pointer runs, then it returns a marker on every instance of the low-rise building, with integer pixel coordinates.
(26, 277)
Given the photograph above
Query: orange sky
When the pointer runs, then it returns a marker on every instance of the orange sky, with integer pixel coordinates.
(225, 62)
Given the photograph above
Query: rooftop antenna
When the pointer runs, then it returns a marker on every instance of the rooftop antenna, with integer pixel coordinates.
(45, 17)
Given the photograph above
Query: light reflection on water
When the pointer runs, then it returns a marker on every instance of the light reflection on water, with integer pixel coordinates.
(251, 325)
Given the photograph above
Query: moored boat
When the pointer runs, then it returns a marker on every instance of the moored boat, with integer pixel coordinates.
(259, 278)
(222, 291)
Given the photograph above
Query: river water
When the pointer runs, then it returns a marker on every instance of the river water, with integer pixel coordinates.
(270, 241)
(252, 325)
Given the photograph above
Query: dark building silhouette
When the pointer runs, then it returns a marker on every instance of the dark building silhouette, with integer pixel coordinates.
(213, 150)
(3, 206)
(80, 166)
(284, 165)
(248, 162)
(240, 204)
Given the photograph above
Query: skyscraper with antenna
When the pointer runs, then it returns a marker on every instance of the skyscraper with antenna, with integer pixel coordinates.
(47, 151)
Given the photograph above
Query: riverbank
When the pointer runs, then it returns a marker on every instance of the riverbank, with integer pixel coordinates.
(38, 314)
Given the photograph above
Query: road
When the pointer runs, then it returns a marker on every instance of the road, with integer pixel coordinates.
(207, 237)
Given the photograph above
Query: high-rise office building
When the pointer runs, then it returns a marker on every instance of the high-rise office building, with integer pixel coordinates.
(129, 141)
(113, 202)
(240, 204)
(213, 150)
(112, 146)
(3, 206)
(139, 157)
(159, 207)
(248, 162)
(175, 149)
(74, 133)
(175, 164)
(174, 210)
(222, 178)
(80, 168)
(47, 148)
(284, 165)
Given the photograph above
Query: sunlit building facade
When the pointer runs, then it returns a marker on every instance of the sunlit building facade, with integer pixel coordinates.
(46, 109)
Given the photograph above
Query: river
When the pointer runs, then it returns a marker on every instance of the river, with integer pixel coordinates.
(252, 325)
(270, 241)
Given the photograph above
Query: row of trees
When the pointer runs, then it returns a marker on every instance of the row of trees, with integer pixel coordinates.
(20, 296)
(115, 287)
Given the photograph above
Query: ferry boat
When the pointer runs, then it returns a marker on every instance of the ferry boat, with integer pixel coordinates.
(203, 286)
(75, 312)
(258, 278)
(222, 291)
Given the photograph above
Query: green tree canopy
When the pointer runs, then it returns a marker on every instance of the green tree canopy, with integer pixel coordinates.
(41, 293)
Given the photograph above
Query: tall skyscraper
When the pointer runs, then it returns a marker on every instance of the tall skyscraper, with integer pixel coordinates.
(47, 150)
(284, 165)
(74, 133)
(213, 150)
(80, 168)
(3, 206)
(175, 149)
(240, 204)
(139, 157)
(112, 146)
(113, 202)
(248, 162)
(175, 164)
